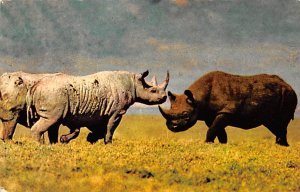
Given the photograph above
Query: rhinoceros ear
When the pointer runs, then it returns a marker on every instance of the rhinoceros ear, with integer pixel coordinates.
(141, 76)
(190, 98)
(19, 81)
(145, 74)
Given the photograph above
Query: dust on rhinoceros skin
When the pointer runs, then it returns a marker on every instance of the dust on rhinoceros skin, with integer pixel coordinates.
(221, 99)
(96, 101)
(12, 102)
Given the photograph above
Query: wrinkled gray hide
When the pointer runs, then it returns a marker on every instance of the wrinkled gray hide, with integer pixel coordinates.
(13, 90)
(96, 101)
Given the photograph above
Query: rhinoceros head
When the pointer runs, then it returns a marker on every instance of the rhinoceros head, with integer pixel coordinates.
(12, 96)
(182, 114)
(150, 93)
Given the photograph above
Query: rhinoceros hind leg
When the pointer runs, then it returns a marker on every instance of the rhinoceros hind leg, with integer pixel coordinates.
(41, 126)
(282, 141)
(281, 136)
(218, 128)
(68, 137)
(53, 133)
(279, 129)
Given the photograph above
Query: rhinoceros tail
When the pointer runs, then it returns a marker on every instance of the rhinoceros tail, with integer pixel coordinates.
(294, 95)
(29, 107)
(288, 103)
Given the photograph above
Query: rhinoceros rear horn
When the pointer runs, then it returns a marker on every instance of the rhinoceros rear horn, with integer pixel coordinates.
(165, 83)
(154, 81)
(164, 113)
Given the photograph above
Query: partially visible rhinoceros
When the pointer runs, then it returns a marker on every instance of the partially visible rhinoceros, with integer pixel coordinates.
(222, 99)
(12, 102)
(96, 101)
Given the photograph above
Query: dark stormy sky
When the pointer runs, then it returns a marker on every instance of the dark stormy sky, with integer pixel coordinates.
(186, 37)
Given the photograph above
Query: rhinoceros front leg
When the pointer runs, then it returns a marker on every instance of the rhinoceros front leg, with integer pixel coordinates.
(218, 129)
(41, 126)
(222, 136)
(8, 129)
(113, 123)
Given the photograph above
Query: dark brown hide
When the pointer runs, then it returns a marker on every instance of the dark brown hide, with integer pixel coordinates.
(222, 99)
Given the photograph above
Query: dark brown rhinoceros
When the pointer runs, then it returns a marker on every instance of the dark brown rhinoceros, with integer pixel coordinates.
(222, 99)
(96, 101)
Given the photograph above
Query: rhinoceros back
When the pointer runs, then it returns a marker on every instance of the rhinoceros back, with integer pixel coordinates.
(257, 95)
(100, 93)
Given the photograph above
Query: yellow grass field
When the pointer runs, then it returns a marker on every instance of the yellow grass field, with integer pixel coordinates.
(145, 156)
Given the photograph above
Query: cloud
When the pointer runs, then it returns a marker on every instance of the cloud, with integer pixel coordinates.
(189, 38)
(167, 46)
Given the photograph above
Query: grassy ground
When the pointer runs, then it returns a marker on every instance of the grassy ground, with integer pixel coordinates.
(145, 156)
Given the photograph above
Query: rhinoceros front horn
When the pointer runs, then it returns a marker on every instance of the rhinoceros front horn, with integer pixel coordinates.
(165, 83)
(164, 112)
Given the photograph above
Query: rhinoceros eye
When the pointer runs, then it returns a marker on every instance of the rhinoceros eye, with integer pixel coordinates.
(153, 90)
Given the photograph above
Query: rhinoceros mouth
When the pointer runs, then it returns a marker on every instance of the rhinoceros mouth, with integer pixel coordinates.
(177, 128)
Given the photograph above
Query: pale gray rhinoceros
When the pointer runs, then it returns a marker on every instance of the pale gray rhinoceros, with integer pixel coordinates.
(12, 102)
(96, 101)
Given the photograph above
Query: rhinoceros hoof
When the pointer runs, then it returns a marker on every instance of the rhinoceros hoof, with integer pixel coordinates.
(92, 138)
(282, 143)
(64, 139)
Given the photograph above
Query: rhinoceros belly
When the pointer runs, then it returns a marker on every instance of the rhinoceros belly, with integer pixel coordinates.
(82, 120)
(243, 122)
